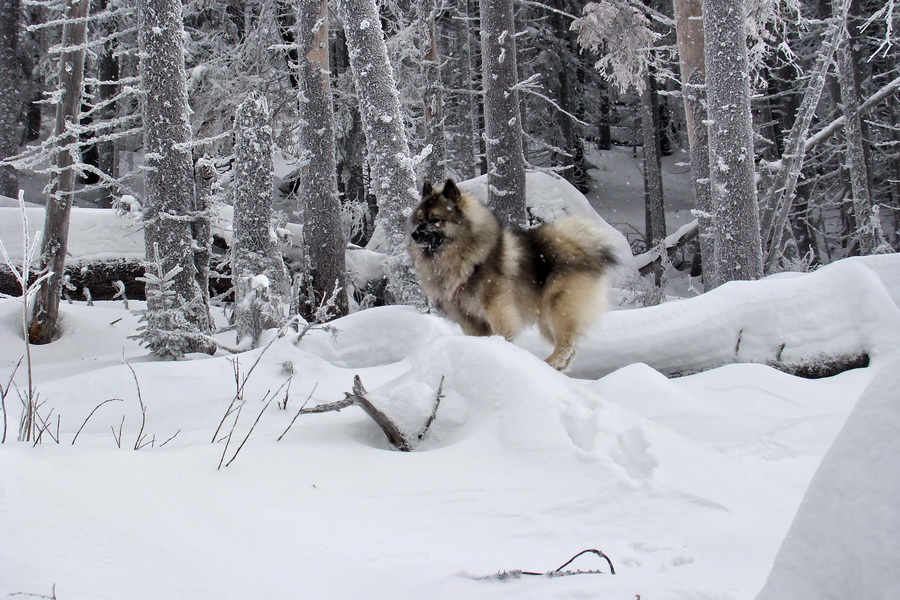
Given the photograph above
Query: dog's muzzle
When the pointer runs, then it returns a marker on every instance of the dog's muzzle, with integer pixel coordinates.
(428, 238)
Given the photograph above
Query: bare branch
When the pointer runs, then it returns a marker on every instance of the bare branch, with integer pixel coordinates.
(77, 433)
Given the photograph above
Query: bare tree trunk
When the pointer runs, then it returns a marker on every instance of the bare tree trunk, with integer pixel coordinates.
(10, 94)
(654, 203)
(322, 231)
(732, 165)
(168, 212)
(435, 162)
(856, 155)
(261, 285)
(503, 121)
(45, 317)
(692, 62)
(393, 179)
(108, 74)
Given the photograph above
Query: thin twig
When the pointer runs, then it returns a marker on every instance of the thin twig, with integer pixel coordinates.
(140, 435)
(77, 433)
(437, 403)
(252, 427)
(301, 411)
(3, 393)
(170, 439)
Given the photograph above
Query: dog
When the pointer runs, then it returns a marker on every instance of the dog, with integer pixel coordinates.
(496, 280)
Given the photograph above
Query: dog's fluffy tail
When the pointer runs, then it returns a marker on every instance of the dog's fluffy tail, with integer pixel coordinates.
(580, 244)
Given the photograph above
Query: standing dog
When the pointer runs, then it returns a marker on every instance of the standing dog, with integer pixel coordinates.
(495, 280)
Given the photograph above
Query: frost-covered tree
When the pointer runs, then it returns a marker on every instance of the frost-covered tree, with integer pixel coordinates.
(433, 97)
(502, 119)
(10, 100)
(692, 67)
(45, 315)
(169, 210)
(393, 180)
(260, 280)
(849, 68)
(322, 232)
(738, 249)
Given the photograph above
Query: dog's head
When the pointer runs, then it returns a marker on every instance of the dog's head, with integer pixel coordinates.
(433, 222)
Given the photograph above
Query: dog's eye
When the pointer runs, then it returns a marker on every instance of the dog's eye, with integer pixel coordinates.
(436, 222)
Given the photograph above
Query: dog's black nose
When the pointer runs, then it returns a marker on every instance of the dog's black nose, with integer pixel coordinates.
(428, 237)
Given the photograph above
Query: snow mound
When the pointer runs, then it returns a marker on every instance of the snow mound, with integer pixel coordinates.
(845, 540)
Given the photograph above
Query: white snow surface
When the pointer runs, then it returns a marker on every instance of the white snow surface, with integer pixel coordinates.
(689, 485)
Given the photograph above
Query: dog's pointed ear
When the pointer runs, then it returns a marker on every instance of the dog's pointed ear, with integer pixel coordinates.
(451, 192)
(427, 188)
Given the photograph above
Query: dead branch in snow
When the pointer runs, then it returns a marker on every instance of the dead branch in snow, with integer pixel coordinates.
(395, 435)
(558, 572)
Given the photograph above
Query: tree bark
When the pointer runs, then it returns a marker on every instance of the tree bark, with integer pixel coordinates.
(168, 211)
(435, 162)
(692, 59)
(856, 155)
(738, 249)
(10, 94)
(45, 316)
(503, 122)
(323, 235)
(654, 203)
(261, 285)
(393, 180)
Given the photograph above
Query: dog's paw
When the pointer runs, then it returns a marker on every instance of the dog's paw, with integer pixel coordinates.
(561, 358)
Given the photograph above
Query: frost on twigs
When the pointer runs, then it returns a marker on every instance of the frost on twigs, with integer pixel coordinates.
(623, 35)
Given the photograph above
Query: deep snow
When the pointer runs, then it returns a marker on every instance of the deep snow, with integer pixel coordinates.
(689, 485)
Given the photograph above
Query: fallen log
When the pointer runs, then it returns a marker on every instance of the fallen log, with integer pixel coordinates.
(98, 279)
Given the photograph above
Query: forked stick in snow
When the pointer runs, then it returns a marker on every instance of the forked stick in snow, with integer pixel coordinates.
(395, 436)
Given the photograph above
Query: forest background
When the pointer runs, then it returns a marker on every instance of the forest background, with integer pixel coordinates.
(788, 109)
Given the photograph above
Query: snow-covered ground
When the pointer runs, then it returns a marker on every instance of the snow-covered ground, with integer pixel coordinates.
(689, 485)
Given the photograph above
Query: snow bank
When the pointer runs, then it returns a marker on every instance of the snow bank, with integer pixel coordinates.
(845, 540)
(844, 310)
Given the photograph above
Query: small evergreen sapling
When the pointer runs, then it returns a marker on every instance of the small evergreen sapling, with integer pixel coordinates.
(165, 330)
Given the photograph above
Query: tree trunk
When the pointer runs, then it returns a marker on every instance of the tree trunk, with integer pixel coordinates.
(654, 204)
(503, 122)
(45, 316)
(856, 155)
(168, 212)
(435, 162)
(261, 284)
(107, 88)
(10, 94)
(393, 180)
(738, 250)
(322, 232)
(689, 31)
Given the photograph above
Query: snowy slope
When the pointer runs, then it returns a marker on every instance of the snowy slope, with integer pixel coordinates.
(688, 485)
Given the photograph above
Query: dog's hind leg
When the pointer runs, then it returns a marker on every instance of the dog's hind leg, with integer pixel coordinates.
(569, 306)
